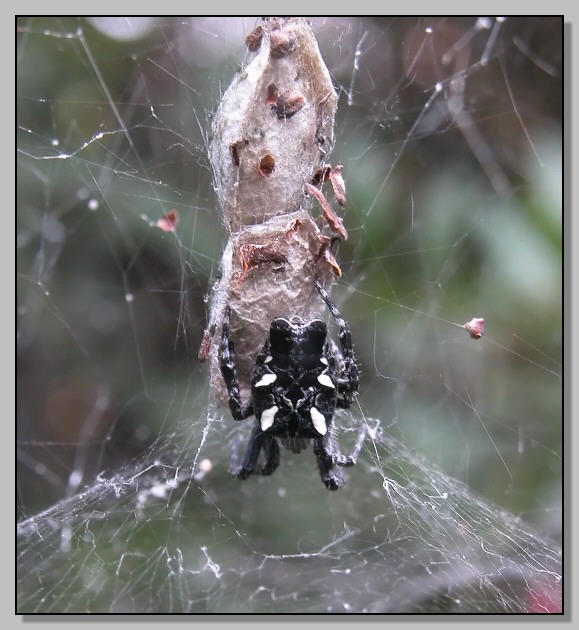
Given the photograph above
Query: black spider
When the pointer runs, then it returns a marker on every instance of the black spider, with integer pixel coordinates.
(298, 380)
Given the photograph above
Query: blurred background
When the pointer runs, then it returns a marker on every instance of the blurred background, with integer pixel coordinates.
(450, 133)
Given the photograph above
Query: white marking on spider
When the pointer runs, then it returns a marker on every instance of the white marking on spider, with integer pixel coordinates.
(324, 379)
(319, 421)
(267, 416)
(324, 360)
(265, 380)
(268, 359)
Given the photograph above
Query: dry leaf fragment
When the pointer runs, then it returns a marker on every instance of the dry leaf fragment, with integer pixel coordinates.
(476, 327)
(169, 221)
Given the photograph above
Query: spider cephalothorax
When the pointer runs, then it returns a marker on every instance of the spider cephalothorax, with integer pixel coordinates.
(298, 380)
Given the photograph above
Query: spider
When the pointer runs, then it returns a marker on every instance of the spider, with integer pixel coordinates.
(298, 381)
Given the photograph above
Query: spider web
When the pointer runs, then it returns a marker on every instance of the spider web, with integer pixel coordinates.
(449, 131)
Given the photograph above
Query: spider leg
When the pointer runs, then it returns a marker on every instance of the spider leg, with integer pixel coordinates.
(251, 455)
(326, 456)
(271, 450)
(239, 411)
(258, 440)
(348, 384)
(329, 457)
(344, 388)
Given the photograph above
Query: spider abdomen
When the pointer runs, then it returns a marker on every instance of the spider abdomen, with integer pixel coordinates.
(298, 381)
